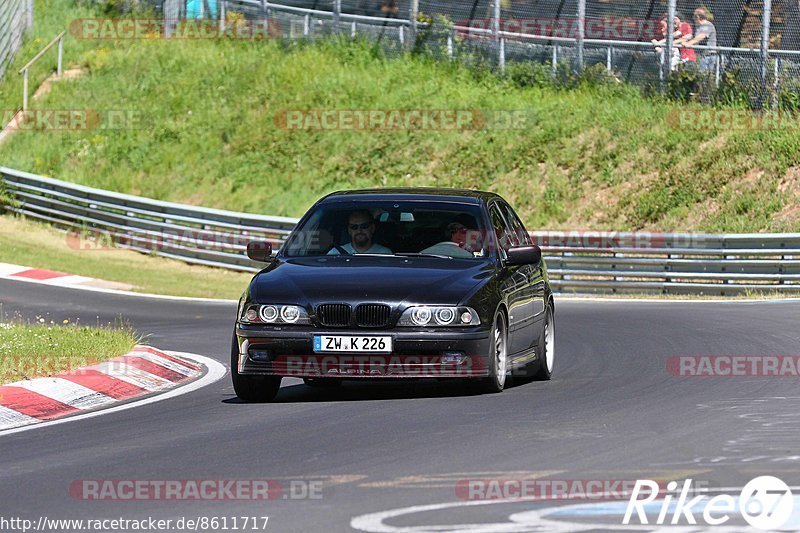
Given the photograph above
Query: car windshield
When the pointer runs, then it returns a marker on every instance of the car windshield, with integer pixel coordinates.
(415, 228)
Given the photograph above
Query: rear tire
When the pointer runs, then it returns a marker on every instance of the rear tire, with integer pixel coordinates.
(548, 351)
(498, 357)
(255, 389)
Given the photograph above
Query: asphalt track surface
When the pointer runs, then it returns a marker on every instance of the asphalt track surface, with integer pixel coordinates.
(611, 412)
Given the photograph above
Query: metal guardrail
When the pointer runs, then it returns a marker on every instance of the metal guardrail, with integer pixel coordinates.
(94, 218)
(586, 262)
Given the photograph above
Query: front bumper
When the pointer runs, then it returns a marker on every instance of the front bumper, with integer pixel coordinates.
(415, 354)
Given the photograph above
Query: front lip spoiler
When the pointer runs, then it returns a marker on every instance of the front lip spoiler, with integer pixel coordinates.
(416, 354)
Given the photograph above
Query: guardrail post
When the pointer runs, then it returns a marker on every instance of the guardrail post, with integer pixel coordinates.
(608, 59)
(581, 32)
(306, 25)
(765, 25)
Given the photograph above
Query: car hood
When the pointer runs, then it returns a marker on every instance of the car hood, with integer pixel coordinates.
(390, 280)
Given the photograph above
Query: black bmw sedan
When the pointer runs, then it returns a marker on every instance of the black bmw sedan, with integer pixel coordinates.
(397, 283)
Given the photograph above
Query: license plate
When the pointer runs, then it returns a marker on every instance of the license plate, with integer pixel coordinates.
(350, 343)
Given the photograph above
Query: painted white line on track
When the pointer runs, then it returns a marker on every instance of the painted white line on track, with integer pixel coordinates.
(534, 521)
(119, 292)
(66, 392)
(216, 371)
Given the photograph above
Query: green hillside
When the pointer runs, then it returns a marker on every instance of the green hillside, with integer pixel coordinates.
(597, 155)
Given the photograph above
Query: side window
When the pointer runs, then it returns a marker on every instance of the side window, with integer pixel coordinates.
(523, 238)
(503, 235)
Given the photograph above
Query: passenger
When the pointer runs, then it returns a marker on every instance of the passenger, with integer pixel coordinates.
(456, 234)
(361, 228)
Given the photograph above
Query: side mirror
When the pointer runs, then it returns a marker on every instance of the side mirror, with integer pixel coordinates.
(259, 251)
(524, 255)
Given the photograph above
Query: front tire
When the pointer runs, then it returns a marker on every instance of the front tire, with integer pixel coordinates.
(545, 372)
(255, 389)
(498, 356)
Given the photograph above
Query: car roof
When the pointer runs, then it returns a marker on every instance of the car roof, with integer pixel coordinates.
(411, 194)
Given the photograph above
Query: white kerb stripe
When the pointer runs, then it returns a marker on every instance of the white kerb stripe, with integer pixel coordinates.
(7, 270)
(66, 391)
(11, 419)
(166, 363)
(134, 376)
(67, 280)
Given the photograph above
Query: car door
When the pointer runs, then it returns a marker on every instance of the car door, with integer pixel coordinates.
(513, 282)
(532, 303)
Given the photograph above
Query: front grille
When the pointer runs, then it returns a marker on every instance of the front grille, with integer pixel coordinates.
(333, 315)
(372, 315)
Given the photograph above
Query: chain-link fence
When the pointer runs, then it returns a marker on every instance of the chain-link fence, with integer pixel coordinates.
(16, 17)
(733, 51)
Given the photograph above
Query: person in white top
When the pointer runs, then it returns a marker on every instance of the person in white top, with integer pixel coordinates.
(361, 228)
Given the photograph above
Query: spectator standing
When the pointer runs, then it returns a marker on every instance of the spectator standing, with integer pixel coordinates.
(389, 9)
(681, 31)
(705, 32)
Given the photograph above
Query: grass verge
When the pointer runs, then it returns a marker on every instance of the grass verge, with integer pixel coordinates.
(35, 350)
(28, 243)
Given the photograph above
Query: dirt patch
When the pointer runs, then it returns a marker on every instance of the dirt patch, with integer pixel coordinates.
(789, 216)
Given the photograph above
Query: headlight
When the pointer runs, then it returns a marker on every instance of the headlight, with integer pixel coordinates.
(274, 314)
(439, 316)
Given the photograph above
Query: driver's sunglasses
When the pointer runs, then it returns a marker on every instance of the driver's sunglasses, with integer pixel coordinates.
(364, 225)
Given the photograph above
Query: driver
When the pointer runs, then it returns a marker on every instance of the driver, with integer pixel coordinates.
(361, 228)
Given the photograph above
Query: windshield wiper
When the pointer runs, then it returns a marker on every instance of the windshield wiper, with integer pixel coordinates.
(419, 254)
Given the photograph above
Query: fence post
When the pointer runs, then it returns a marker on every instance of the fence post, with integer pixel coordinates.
(496, 32)
(581, 32)
(670, 44)
(555, 60)
(337, 13)
(60, 69)
(765, 24)
(30, 15)
(223, 8)
(414, 15)
(25, 90)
